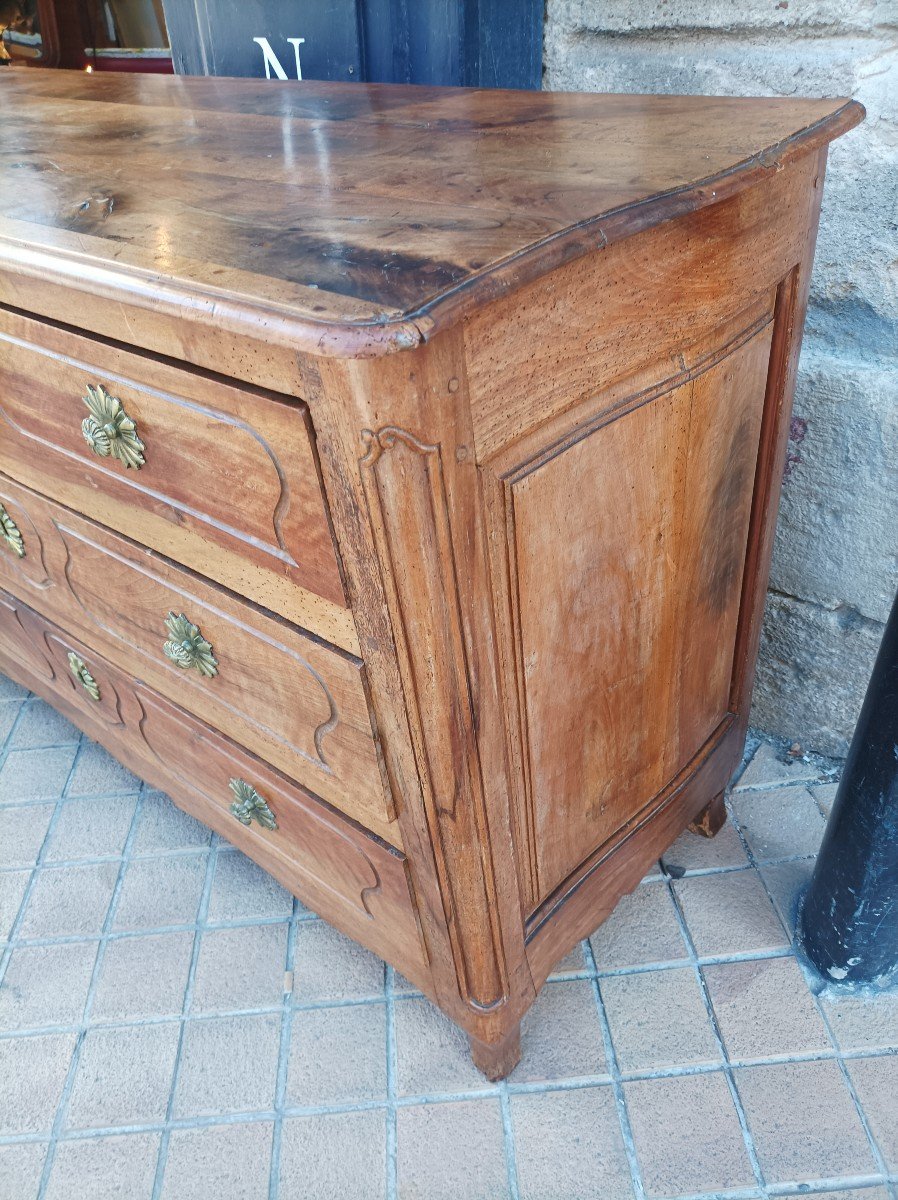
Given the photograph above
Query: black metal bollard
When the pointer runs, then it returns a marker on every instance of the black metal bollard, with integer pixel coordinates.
(849, 922)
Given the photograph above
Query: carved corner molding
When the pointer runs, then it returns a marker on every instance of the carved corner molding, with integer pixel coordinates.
(405, 490)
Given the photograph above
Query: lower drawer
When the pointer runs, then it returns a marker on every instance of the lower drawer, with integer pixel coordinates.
(347, 875)
(299, 703)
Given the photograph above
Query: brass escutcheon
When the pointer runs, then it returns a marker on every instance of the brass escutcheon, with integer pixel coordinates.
(78, 667)
(249, 805)
(109, 431)
(186, 647)
(9, 531)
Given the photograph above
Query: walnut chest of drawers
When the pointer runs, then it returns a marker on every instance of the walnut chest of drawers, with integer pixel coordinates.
(389, 475)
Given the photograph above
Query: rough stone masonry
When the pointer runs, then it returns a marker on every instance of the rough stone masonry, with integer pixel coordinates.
(835, 567)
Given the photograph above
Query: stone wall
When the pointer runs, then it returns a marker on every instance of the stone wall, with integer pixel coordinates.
(835, 566)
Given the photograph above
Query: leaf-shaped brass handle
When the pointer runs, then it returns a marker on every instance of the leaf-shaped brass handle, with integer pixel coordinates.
(78, 667)
(109, 431)
(9, 531)
(249, 805)
(186, 646)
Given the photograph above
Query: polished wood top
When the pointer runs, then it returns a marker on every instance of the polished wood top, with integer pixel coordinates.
(355, 218)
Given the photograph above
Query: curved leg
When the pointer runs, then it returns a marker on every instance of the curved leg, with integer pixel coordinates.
(711, 819)
(497, 1059)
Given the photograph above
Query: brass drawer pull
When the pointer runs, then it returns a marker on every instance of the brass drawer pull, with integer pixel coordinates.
(249, 805)
(9, 531)
(78, 667)
(187, 647)
(109, 431)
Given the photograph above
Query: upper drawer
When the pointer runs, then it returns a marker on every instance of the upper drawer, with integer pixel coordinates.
(228, 484)
(293, 700)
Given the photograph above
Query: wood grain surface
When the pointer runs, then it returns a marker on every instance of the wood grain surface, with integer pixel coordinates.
(355, 218)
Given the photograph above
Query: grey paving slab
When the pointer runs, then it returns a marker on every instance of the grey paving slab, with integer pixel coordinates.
(329, 965)
(803, 1122)
(143, 976)
(432, 1053)
(338, 1056)
(786, 883)
(161, 891)
(67, 901)
(642, 929)
(13, 885)
(242, 891)
(123, 1076)
(90, 827)
(228, 1065)
(35, 774)
(240, 968)
(40, 725)
(116, 1167)
(227, 1162)
(46, 985)
(568, 1144)
(863, 1022)
(729, 913)
(693, 853)
(32, 1074)
(659, 1019)
(163, 826)
(311, 1170)
(778, 827)
(770, 765)
(9, 713)
(22, 832)
(876, 1081)
(687, 1135)
(21, 1165)
(562, 1035)
(445, 1151)
(98, 773)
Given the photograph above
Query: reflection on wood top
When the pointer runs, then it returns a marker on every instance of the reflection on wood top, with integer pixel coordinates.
(354, 218)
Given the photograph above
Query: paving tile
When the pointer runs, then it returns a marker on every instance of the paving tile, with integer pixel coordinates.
(432, 1053)
(10, 690)
(90, 828)
(574, 961)
(312, 1170)
(643, 928)
(9, 710)
(337, 1055)
(786, 883)
(562, 1034)
(163, 826)
(780, 823)
(21, 1165)
(228, 1064)
(240, 968)
(824, 794)
(229, 1162)
(568, 1146)
(769, 765)
(161, 891)
(32, 1073)
(764, 1009)
(329, 966)
(12, 890)
(863, 1022)
(803, 1122)
(98, 773)
(35, 774)
(729, 913)
(242, 891)
(658, 1019)
(143, 977)
(46, 985)
(69, 900)
(703, 1151)
(40, 725)
(875, 1081)
(402, 986)
(444, 1151)
(874, 1193)
(22, 833)
(120, 1167)
(691, 852)
(123, 1076)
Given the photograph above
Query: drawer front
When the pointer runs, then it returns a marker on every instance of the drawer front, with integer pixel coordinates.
(228, 483)
(299, 704)
(343, 873)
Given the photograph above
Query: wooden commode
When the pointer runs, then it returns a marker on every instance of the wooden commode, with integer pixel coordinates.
(389, 474)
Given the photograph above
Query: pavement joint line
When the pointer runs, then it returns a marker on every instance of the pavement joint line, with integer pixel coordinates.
(747, 1137)
(202, 913)
(280, 1088)
(615, 1083)
(62, 1106)
(391, 1151)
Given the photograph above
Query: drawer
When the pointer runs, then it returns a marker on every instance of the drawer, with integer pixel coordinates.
(228, 485)
(295, 701)
(343, 873)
